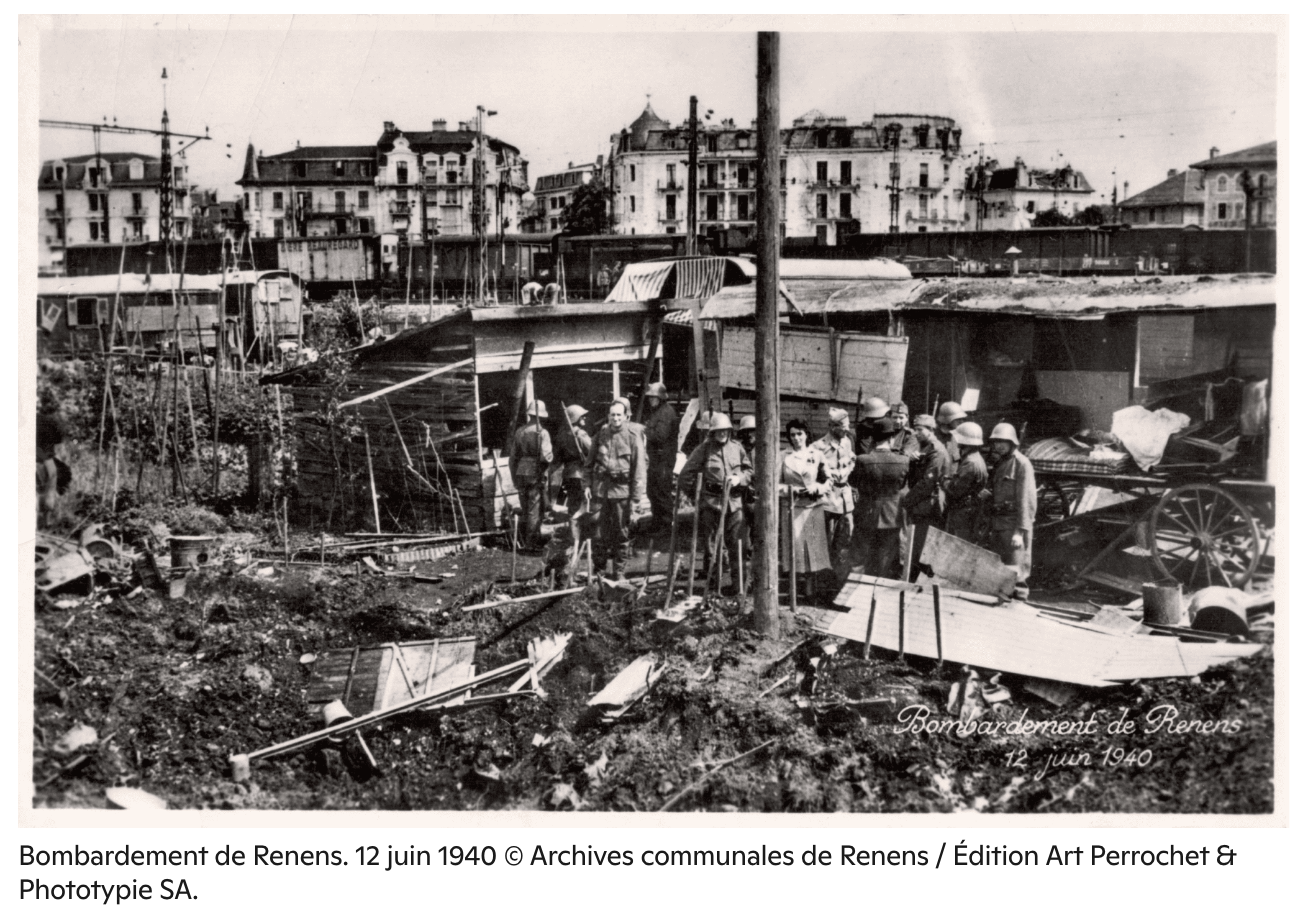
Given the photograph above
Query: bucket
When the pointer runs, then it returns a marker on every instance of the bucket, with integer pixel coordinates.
(335, 712)
(1162, 603)
(1220, 610)
(189, 551)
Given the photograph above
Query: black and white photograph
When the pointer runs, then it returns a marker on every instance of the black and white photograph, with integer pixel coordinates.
(606, 415)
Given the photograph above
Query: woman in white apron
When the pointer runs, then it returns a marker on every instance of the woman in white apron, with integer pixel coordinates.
(803, 476)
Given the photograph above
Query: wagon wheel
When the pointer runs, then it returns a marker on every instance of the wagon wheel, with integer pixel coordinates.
(1202, 535)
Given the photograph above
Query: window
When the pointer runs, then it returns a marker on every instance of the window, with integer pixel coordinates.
(401, 172)
(555, 223)
(277, 201)
(711, 207)
(846, 172)
(137, 202)
(338, 167)
(671, 230)
(94, 231)
(924, 181)
(631, 203)
(1223, 210)
(945, 207)
(631, 173)
(245, 201)
(821, 172)
(257, 200)
(672, 175)
(821, 234)
(365, 170)
(1029, 207)
(178, 175)
(742, 208)
(92, 175)
(340, 226)
(300, 169)
(363, 225)
(137, 229)
(712, 143)
(451, 177)
(58, 201)
(783, 172)
(279, 228)
(85, 311)
(452, 196)
(136, 169)
(341, 201)
(742, 176)
(564, 202)
(1240, 210)
(1223, 183)
(555, 203)
(711, 175)
(670, 207)
(93, 201)
(401, 195)
(1261, 183)
(821, 206)
(846, 205)
(58, 174)
(1151, 216)
(742, 141)
(363, 200)
(945, 175)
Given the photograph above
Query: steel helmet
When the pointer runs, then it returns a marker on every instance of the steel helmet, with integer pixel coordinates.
(575, 412)
(657, 389)
(748, 423)
(924, 421)
(538, 408)
(950, 412)
(1005, 431)
(969, 434)
(874, 408)
(720, 422)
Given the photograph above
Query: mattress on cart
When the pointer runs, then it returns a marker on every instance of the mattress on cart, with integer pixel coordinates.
(1063, 455)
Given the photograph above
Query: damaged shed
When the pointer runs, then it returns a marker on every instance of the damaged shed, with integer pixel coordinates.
(414, 430)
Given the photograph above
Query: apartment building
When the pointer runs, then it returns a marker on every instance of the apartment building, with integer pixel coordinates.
(103, 198)
(1227, 195)
(554, 192)
(1012, 198)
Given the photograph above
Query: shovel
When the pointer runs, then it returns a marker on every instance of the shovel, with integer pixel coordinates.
(514, 545)
(695, 532)
(672, 549)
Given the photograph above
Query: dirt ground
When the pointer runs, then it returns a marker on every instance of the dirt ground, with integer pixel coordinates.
(172, 687)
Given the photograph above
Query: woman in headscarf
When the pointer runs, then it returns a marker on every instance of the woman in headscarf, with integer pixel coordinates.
(804, 478)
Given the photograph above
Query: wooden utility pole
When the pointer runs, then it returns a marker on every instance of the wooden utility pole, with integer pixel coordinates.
(692, 181)
(767, 618)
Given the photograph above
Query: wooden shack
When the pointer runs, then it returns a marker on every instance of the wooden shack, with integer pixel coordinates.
(73, 313)
(426, 414)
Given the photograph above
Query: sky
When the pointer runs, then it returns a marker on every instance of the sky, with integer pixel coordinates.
(1117, 105)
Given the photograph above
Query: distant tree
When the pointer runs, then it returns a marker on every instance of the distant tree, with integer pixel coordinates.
(1094, 215)
(587, 212)
(1051, 218)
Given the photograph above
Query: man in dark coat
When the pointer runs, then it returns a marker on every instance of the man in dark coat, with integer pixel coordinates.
(530, 464)
(879, 475)
(965, 492)
(924, 501)
(723, 462)
(616, 469)
(661, 454)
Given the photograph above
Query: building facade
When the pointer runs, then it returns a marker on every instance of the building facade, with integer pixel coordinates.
(554, 192)
(836, 178)
(409, 185)
(1179, 201)
(1012, 198)
(103, 198)
(1227, 196)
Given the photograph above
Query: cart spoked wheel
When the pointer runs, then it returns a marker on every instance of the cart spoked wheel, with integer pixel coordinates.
(1201, 535)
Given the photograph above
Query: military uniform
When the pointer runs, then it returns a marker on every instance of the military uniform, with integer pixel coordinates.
(1014, 506)
(838, 504)
(879, 475)
(925, 499)
(718, 463)
(572, 448)
(616, 469)
(661, 457)
(530, 463)
(962, 494)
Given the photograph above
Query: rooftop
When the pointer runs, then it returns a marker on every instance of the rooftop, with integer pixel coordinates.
(1259, 155)
(1182, 188)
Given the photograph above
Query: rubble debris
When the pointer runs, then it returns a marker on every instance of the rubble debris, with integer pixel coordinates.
(259, 677)
(668, 806)
(75, 738)
(628, 686)
(1015, 637)
(1055, 692)
(564, 794)
(58, 571)
(368, 678)
(126, 797)
(522, 599)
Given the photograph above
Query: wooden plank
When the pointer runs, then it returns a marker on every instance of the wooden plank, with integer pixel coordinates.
(489, 364)
(397, 386)
(966, 566)
(808, 368)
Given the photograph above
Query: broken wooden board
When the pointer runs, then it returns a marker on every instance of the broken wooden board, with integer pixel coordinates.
(1115, 582)
(628, 686)
(379, 676)
(430, 553)
(1015, 637)
(965, 566)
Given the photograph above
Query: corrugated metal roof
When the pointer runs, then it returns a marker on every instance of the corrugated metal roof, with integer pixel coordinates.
(100, 285)
(1066, 298)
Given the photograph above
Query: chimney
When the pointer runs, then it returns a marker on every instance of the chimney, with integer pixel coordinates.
(600, 161)
(1126, 189)
(1214, 152)
(466, 126)
(570, 164)
(389, 127)
(1171, 174)
(440, 124)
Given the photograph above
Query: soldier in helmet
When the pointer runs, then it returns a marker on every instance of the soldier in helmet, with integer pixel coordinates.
(661, 454)
(1014, 503)
(949, 416)
(874, 408)
(836, 446)
(572, 448)
(747, 435)
(530, 462)
(879, 475)
(965, 490)
(616, 469)
(723, 462)
(924, 501)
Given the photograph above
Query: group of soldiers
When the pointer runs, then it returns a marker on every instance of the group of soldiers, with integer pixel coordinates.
(880, 485)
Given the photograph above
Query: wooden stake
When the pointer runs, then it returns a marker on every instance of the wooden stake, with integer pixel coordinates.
(902, 620)
(374, 496)
(938, 622)
(871, 625)
(695, 534)
(672, 548)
